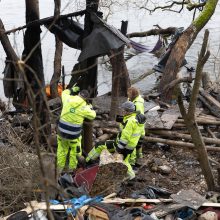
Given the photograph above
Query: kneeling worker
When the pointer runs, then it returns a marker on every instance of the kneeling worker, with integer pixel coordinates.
(132, 129)
(75, 109)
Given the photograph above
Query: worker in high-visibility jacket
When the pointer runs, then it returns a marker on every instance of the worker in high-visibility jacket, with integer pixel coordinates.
(135, 97)
(131, 130)
(74, 110)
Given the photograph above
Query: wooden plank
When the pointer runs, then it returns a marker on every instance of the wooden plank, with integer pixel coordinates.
(166, 209)
(122, 201)
(169, 117)
(211, 204)
(98, 214)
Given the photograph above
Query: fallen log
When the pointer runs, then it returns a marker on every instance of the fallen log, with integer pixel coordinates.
(179, 125)
(110, 130)
(210, 98)
(210, 132)
(166, 141)
(104, 137)
(177, 143)
(101, 124)
(183, 136)
(212, 108)
(210, 117)
(202, 121)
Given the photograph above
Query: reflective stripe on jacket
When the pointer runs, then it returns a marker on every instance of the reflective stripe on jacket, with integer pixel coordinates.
(131, 131)
(68, 130)
(74, 111)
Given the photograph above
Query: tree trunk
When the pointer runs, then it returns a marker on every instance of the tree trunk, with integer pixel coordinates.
(18, 96)
(88, 79)
(202, 153)
(32, 57)
(86, 72)
(57, 57)
(115, 84)
(180, 48)
(189, 117)
(120, 78)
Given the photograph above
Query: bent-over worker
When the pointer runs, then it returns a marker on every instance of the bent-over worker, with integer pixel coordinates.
(131, 130)
(75, 109)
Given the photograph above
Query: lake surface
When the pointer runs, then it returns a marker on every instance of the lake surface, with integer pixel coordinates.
(13, 15)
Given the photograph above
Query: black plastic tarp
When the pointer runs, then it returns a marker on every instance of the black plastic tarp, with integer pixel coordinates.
(102, 39)
(68, 31)
(164, 58)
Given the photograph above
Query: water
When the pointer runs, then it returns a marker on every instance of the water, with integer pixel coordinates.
(13, 15)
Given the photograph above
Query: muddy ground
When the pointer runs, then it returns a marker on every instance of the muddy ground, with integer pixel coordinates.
(185, 172)
(172, 168)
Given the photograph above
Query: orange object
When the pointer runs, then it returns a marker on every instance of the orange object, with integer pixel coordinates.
(59, 89)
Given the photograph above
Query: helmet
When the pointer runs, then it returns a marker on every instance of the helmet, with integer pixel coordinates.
(128, 106)
(84, 94)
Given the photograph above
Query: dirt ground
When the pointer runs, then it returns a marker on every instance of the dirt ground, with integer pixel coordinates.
(185, 172)
(181, 169)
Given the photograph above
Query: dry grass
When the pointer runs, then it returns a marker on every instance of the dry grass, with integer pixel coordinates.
(19, 171)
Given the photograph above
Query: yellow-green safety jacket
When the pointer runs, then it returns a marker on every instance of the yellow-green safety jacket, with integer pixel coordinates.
(74, 111)
(131, 130)
(139, 104)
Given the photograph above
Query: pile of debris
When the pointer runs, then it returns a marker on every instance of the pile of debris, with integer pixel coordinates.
(186, 204)
(163, 177)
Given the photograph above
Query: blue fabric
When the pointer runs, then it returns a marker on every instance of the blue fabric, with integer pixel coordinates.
(77, 203)
(185, 214)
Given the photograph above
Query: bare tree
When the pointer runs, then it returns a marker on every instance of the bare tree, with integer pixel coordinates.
(32, 57)
(190, 120)
(181, 46)
(57, 57)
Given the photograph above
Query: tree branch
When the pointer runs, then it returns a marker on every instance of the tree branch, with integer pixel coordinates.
(167, 6)
(45, 20)
(203, 57)
(189, 5)
(178, 81)
(156, 31)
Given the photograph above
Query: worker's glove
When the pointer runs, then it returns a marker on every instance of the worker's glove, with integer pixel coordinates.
(74, 90)
(124, 151)
(119, 118)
